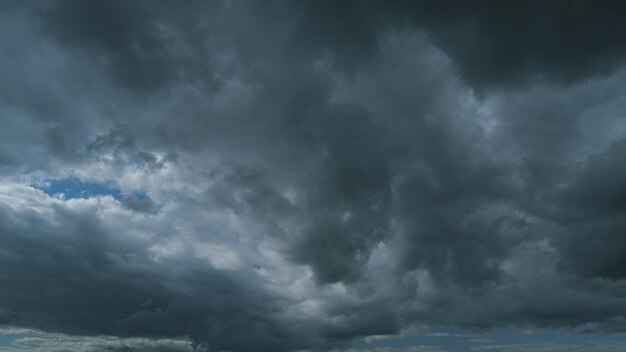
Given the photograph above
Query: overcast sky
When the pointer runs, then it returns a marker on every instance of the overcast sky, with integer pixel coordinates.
(281, 176)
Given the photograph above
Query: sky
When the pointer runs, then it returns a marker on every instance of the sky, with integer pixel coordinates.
(321, 176)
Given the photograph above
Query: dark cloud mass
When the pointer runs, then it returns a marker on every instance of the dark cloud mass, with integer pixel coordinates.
(302, 175)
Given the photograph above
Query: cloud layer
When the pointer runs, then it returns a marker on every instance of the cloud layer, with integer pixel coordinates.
(294, 176)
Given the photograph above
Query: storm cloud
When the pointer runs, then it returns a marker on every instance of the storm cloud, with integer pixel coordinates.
(287, 176)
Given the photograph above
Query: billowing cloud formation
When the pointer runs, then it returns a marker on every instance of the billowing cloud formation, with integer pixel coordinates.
(294, 176)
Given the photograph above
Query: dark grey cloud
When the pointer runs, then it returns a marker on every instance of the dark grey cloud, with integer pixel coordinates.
(493, 44)
(301, 175)
(510, 43)
(124, 39)
(595, 212)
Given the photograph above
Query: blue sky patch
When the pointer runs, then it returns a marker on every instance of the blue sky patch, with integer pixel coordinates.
(73, 188)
